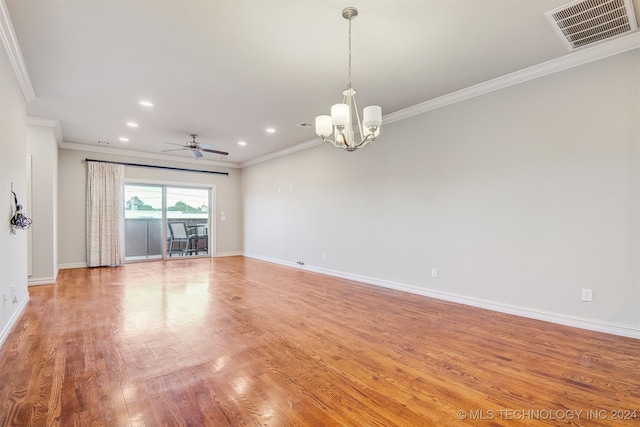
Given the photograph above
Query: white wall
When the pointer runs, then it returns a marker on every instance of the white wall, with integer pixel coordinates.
(71, 199)
(13, 247)
(520, 198)
(43, 148)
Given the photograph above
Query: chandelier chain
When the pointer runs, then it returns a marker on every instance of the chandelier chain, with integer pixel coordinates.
(349, 86)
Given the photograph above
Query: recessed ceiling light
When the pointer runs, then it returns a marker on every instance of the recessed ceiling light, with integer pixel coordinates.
(124, 139)
(145, 103)
(132, 124)
(271, 130)
(243, 143)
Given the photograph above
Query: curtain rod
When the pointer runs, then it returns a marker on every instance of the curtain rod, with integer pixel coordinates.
(157, 167)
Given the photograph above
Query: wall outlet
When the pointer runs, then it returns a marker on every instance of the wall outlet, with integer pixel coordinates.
(587, 295)
(324, 256)
(434, 272)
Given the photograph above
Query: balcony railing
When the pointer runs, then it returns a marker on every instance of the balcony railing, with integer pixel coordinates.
(144, 238)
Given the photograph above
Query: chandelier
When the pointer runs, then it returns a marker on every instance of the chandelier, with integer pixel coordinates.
(341, 121)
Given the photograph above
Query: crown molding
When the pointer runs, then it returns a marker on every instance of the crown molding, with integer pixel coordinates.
(571, 60)
(14, 53)
(50, 123)
(283, 152)
(132, 153)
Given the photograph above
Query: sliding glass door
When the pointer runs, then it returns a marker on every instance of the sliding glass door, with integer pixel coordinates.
(164, 221)
(187, 213)
(143, 222)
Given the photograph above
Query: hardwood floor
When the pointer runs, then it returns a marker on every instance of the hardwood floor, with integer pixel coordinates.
(236, 341)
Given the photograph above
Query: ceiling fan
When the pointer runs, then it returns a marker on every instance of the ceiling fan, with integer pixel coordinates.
(196, 147)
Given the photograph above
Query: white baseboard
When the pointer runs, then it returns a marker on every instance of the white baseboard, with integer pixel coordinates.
(41, 281)
(13, 320)
(72, 265)
(531, 313)
(84, 265)
(225, 254)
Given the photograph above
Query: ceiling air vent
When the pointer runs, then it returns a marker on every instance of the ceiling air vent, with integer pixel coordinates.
(584, 22)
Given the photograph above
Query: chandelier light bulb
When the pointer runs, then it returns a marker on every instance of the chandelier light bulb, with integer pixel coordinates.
(372, 116)
(340, 115)
(324, 127)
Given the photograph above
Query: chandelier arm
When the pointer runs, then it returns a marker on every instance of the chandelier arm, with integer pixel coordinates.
(355, 107)
(367, 139)
(334, 143)
(340, 131)
(339, 136)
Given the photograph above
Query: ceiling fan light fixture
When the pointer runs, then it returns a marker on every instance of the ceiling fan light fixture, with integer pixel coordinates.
(196, 148)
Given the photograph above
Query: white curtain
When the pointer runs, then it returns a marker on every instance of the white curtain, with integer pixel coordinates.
(105, 214)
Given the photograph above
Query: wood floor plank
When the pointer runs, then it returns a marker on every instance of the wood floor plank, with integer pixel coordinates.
(236, 341)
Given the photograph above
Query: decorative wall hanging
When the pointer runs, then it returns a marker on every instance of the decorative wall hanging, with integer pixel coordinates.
(18, 218)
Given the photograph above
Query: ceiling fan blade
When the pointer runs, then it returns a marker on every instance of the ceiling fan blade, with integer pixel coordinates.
(175, 149)
(224, 153)
(196, 148)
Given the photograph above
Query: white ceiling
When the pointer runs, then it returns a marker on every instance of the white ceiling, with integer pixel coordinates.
(227, 70)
